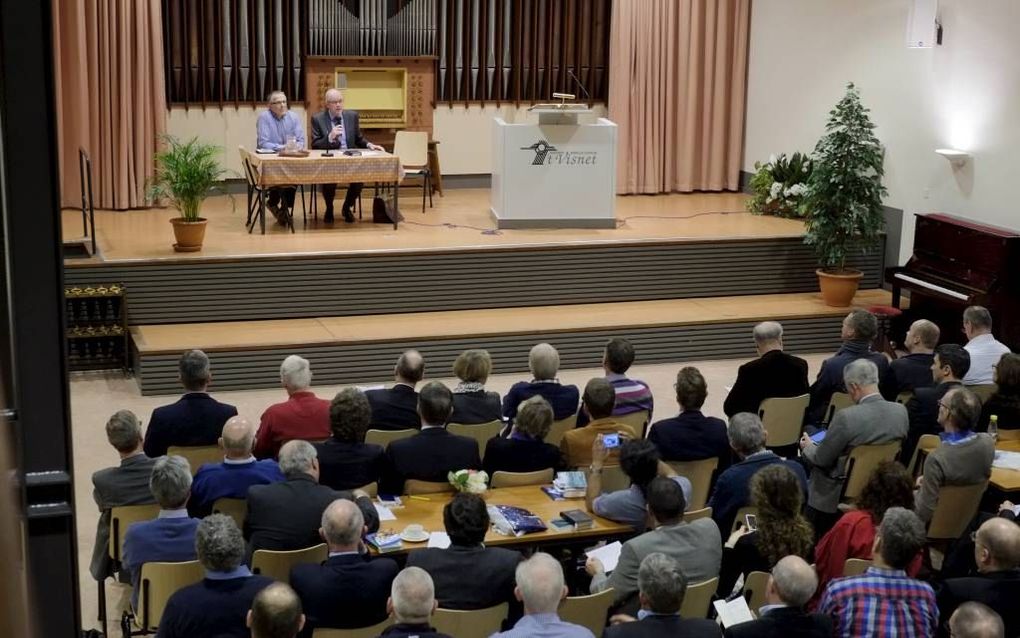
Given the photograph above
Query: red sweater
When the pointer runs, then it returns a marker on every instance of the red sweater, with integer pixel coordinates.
(302, 416)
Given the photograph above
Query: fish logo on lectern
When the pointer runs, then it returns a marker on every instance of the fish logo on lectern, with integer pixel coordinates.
(541, 148)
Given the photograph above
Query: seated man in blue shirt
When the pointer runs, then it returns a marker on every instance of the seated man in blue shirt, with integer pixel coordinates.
(171, 536)
(274, 128)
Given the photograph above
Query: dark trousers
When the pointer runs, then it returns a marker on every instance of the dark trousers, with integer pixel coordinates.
(353, 192)
(286, 194)
(821, 521)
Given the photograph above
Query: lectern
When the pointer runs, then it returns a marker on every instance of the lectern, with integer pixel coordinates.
(556, 172)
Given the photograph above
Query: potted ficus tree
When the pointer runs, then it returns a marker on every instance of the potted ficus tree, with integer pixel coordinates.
(843, 200)
(186, 173)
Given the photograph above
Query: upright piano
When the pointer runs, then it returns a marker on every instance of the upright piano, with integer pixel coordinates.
(959, 263)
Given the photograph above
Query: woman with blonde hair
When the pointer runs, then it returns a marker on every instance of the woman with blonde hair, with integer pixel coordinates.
(472, 403)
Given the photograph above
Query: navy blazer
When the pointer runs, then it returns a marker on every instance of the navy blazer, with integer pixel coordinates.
(345, 592)
(664, 627)
(692, 436)
(469, 577)
(773, 374)
(346, 466)
(195, 419)
(428, 456)
(998, 590)
(472, 408)
(521, 455)
(395, 408)
(784, 622)
(830, 376)
(906, 374)
(563, 398)
(733, 487)
(322, 124)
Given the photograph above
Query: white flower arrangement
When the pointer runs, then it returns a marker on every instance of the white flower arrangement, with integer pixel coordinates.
(470, 481)
(779, 185)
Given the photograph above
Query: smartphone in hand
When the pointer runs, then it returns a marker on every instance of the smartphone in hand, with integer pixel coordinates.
(610, 441)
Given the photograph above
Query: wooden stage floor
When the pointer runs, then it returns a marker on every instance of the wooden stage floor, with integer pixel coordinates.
(459, 220)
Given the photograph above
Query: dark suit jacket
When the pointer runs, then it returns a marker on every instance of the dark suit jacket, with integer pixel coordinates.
(428, 456)
(733, 487)
(196, 419)
(830, 376)
(1006, 407)
(692, 436)
(126, 484)
(786, 622)
(469, 577)
(476, 407)
(286, 516)
(923, 415)
(322, 124)
(664, 627)
(395, 408)
(998, 590)
(346, 466)
(906, 374)
(562, 398)
(345, 592)
(520, 455)
(773, 374)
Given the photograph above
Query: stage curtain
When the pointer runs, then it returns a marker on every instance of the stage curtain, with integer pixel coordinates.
(108, 70)
(677, 85)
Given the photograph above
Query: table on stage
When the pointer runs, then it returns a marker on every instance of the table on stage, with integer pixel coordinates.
(427, 511)
(379, 167)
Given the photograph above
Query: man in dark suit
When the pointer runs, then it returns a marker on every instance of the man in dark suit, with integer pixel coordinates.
(348, 590)
(337, 129)
(949, 365)
(433, 452)
(773, 374)
(691, 436)
(196, 419)
(859, 329)
(346, 462)
(275, 613)
(397, 407)
(791, 586)
(286, 516)
(126, 484)
(913, 370)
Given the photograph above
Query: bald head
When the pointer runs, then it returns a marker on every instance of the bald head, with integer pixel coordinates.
(540, 584)
(544, 361)
(975, 620)
(997, 545)
(276, 613)
(342, 526)
(410, 368)
(412, 596)
(922, 337)
(237, 438)
(793, 581)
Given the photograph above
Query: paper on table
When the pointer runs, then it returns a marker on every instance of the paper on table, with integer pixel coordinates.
(608, 554)
(384, 513)
(440, 540)
(1006, 460)
(733, 612)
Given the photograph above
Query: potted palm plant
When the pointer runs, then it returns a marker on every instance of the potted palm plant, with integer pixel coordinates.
(186, 173)
(843, 199)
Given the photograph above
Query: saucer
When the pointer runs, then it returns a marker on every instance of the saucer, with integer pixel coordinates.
(414, 538)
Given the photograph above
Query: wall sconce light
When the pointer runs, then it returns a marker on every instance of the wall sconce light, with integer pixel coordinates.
(956, 157)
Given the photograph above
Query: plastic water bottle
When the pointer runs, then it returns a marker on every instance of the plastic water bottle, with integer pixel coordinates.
(993, 427)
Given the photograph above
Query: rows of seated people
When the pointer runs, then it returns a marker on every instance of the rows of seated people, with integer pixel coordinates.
(306, 473)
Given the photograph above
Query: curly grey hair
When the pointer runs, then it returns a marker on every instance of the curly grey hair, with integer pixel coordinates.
(902, 535)
(219, 543)
(662, 583)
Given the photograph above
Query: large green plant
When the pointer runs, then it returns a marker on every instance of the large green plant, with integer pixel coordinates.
(186, 173)
(843, 202)
(778, 185)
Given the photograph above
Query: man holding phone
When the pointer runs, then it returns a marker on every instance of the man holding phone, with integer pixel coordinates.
(598, 401)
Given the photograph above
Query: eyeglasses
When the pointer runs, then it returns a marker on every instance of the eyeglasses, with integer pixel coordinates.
(944, 405)
(278, 102)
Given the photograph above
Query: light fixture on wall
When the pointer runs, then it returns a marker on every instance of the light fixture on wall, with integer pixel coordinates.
(924, 29)
(956, 157)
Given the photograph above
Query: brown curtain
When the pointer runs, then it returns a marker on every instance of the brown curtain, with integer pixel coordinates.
(108, 59)
(677, 84)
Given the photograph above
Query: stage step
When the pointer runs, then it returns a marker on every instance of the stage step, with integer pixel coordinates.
(359, 349)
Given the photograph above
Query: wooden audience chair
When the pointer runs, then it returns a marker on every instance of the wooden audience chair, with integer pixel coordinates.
(856, 566)
(783, 419)
(698, 599)
(637, 420)
(741, 514)
(364, 632)
(158, 582)
(197, 455)
(904, 397)
(839, 401)
(481, 432)
(559, 428)
(754, 590)
(276, 565)
(862, 462)
(477, 623)
(235, 508)
(120, 519)
(699, 473)
(412, 147)
(385, 437)
(693, 515)
(372, 489)
(614, 479)
(588, 611)
(414, 486)
(956, 506)
(518, 479)
(925, 445)
(984, 391)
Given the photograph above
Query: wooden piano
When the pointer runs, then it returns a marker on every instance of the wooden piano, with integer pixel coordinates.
(959, 263)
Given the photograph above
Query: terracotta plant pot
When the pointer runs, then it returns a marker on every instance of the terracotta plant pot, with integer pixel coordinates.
(189, 235)
(838, 289)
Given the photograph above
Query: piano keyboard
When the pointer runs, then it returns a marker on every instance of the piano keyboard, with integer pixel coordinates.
(930, 286)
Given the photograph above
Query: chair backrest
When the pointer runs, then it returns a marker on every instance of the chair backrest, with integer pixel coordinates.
(385, 437)
(782, 418)
(956, 506)
(414, 486)
(412, 147)
(856, 566)
(614, 479)
(1009, 435)
(363, 632)
(754, 589)
(637, 420)
(249, 174)
(925, 445)
(693, 515)
(158, 582)
(372, 489)
(517, 479)
(559, 428)
(481, 432)
(741, 515)
(276, 565)
(837, 402)
(983, 390)
(197, 455)
(477, 623)
(862, 462)
(588, 611)
(699, 473)
(121, 518)
(235, 508)
(698, 599)
(904, 397)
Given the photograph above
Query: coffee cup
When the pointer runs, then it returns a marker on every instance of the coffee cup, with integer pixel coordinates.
(414, 530)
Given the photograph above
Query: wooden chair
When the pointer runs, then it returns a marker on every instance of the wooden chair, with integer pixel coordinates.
(481, 432)
(837, 402)
(412, 147)
(559, 428)
(783, 419)
(862, 462)
(157, 583)
(517, 479)
(1009, 435)
(120, 519)
(477, 623)
(372, 489)
(614, 479)
(235, 508)
(693, 515)
(699, 473)
(588, 611)
(698, 599)
(414, 486)
(904, 397)
(363, 632)
(276, 565)
(925, 445)
(197, 455)
(983, 390)
(385, 437)
(637, 420)
(739, 518)
(754, 590)
(856, 566)
(956, 506)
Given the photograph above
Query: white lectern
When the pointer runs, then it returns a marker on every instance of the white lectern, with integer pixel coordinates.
(555, 173)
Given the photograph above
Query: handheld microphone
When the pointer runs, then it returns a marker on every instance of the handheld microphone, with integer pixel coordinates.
(586, 93)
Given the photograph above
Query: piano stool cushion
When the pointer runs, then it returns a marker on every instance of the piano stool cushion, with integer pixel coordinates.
(887, 311)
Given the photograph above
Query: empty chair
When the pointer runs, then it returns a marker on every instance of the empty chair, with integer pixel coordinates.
(414, 486)
(372, 489)
(699, 473)
(637, 420)
(956, 507)
(235, 508)
(412, 147)
(478, 623)
(693, 515)
(158, 582)
(481, 432)
(517, 479)
(855, 566)
(754, 589)
(363, 632)
(698, 599)
(276, 565)
(197, 455)
(588, 611)
(782, 418)
(385, 437)
(559, 428)
(862, 462)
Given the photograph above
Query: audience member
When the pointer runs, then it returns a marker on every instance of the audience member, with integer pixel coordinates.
(302, 416)
(348, 590)
(732, 489)
(997, 583)
(346, 462)
(273, 128)
(525, 450)
(985, 351)
(544, 363)
(859, 329)
(691, 436)
(434, 452)
(884, 601)
(125, 484)
(285, 516)
(1005, 401)
(598, 400)
(964, 458)
(170, 537)
(792, 583)
(913, 370)
(472, 403)
(871, 421)
(949, 364)
(696, 546)
(540, 587)
(276, 613)
(631, 395)
(782, 529)
(196, 418)
(661, 589)
(238, 471)
(411, 603)
(773, 374)
(217, 606)
(974, 620)
(641, 462)
(959, 557)
(396, 408)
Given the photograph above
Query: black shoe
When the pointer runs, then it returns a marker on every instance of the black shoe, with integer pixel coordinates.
(277, 213)
(327, 217)
(348, 216)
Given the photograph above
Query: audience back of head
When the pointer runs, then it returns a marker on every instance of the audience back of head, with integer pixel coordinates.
(782, 529)
(413, 596)
(410, 367)
(767, 334)
(276, 613)
(219, 543)
(901, 535)
(619, 355)
(794, 581)
(1000, 540)
(295, 373)
(466, 519)
(194, 372)
(888, 486)
(435, 403)
(170, 482)
(540, 584)
(661, 584)
(1007, 374)
(124, 431)
(342, 524)
(964, 408)
(534, 417)
(238, 437)
(599, 398)
(861, 325)
(350, 414)
(979, 318)
(665, 500)
(544, 361)
(473, 366)
(639, 460)
(297, 457)
(746, 434)
(975, 620)
(954, 356)
(691, 389)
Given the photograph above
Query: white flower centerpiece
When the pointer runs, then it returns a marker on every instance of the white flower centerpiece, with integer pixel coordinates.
(470, 481)
(779, 185)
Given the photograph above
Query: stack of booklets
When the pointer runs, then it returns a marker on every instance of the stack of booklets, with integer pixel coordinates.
(384, 542)
(578, 518)
(571, 484)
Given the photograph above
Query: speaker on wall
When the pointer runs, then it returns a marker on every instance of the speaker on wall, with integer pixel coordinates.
(923, 28)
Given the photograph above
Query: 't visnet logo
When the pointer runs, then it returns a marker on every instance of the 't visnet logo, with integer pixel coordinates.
(547, 155)
(541, 148)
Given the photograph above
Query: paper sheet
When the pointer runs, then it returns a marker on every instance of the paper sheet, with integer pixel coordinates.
(439, 540)
(384, 513)
(1006, 460)
(608, 554)
(733, 612)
